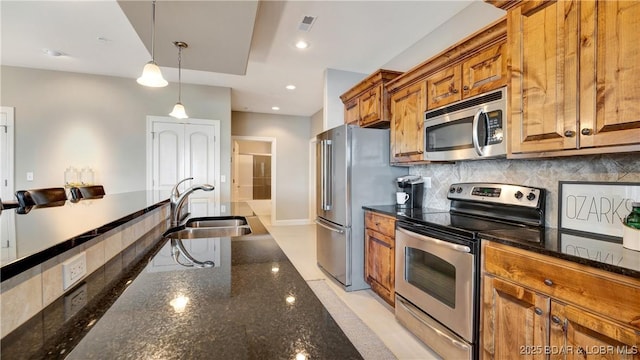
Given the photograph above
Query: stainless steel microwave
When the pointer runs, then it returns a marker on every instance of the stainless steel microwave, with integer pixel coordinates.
(474, 128)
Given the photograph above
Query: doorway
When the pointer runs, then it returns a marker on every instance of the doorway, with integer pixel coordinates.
(253, 181)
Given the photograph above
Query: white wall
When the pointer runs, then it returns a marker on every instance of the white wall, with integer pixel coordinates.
(291, 159)
(69, 119)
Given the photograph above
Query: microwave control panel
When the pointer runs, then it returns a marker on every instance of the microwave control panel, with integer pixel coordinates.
(494, 127)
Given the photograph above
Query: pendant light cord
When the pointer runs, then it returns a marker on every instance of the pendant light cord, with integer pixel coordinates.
(153, 30)
(180, 74)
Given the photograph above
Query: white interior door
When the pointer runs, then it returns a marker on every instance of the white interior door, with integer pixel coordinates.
(7, 221)
(168, 154)
(181, 150)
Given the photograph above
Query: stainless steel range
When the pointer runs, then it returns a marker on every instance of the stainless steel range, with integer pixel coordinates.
(438, 263)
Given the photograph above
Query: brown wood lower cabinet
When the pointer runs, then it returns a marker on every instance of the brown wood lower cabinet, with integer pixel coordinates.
(380, 255)
(559, 319)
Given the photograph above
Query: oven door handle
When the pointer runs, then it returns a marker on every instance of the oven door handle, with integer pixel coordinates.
(456, 247)
(455, 342)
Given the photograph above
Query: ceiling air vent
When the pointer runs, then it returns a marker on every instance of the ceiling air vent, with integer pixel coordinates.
(306, 23)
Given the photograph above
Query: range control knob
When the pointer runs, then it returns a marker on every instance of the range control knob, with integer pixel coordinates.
(459, 190)
(452, 190)
(531, 196)
(519, 194)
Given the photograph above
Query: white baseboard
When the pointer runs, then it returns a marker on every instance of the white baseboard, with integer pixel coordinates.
(293, 222)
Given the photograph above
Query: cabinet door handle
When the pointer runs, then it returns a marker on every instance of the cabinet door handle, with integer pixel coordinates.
(586, 131)
(555, 319)
(569, 133)
(538, 311)
(548, 282)
(465, 88)
(455, 91)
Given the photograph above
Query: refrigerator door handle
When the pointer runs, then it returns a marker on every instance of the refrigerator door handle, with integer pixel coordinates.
(329, 227)
(328, 174)
(323, 167)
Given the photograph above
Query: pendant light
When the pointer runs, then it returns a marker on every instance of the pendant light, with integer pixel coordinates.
(151, 75)
(178, 109)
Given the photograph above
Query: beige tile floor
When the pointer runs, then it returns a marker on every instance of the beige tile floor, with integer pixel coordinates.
(299, 244)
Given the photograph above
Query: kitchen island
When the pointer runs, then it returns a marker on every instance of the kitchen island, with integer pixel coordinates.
(252, 304)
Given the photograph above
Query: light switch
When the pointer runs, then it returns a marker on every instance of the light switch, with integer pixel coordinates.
(30, 176)
(223, 178)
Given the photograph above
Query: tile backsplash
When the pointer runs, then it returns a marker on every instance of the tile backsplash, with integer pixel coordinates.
(543, 173)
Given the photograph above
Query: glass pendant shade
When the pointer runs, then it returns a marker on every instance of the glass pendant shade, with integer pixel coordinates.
(179, 112)
(151, 76)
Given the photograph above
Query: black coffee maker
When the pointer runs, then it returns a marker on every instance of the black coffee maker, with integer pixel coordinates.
(414, 186)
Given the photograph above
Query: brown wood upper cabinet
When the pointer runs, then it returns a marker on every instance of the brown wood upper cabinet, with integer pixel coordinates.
(575, 77)
(484, 71)
(367, 103)
(472, 66)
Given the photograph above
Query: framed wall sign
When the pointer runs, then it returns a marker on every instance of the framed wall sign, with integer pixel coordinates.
(595, 208)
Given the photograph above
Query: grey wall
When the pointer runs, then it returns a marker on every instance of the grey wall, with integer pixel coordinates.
(536, 173)
(336, 83)
(316, 123)
(471, 19)
(67, 119)
(291, 158)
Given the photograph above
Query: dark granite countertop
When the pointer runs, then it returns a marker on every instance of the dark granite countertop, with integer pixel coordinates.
(252, 305)
(43, 233)
(602, 254)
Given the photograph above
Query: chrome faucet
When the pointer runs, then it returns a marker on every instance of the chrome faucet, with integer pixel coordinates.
(178, 202)
(175, 193)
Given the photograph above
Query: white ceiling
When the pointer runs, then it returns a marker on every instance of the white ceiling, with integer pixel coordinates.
(97, 37)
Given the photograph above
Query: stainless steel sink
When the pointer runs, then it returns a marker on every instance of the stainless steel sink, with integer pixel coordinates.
(218, 221)
(210, 227)
(207, 232)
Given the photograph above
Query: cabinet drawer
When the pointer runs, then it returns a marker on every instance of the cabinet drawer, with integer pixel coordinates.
(383, 224)
(613, 295)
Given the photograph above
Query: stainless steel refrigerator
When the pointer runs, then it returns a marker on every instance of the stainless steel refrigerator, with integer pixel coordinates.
(352, 169)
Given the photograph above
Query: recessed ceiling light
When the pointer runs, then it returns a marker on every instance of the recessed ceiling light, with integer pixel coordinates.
(302, 44)
(291, 87)
(52, 52)
(275, 108)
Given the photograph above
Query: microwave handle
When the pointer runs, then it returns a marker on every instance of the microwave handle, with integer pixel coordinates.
(476, 122)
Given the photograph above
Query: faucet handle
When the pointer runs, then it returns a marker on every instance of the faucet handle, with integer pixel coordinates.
(175, 192)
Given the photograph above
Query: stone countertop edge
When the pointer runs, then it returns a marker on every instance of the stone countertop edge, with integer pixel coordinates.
(18, 266)
(550, 247)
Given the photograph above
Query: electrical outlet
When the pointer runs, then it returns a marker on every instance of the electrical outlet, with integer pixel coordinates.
(427, 182)
(30, 176)
(73, 270)
(75, 301)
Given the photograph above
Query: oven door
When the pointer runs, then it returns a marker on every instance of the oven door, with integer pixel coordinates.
(438, 277)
